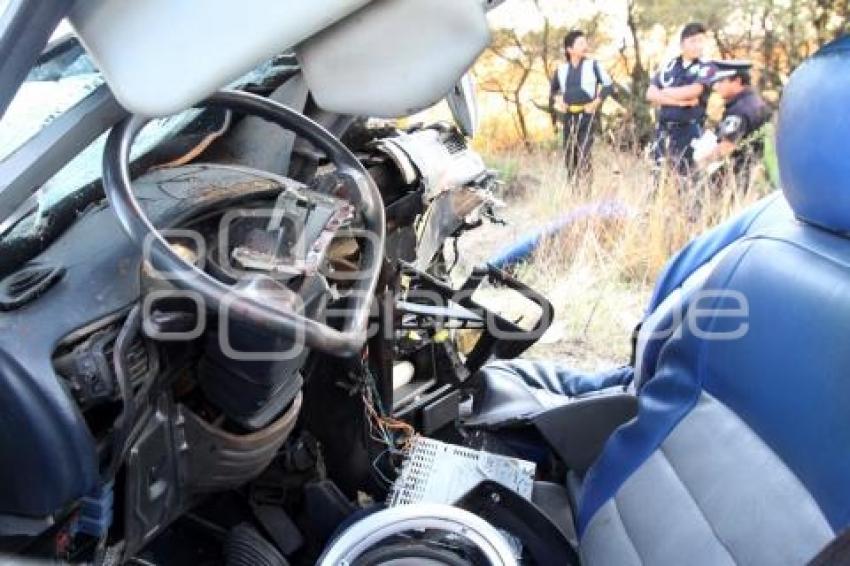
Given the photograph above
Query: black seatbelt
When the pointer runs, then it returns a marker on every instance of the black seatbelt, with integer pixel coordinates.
(836, 553)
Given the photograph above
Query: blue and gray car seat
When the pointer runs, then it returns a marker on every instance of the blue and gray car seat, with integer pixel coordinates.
(520, 388)
(740, 449)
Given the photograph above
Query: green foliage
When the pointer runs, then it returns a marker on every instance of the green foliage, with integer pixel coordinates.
(508, 167)
(673, 14)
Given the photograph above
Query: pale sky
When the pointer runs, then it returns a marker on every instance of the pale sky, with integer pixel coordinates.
(523, 16)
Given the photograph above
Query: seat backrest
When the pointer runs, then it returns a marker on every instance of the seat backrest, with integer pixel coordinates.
(741, 449)
(687, 271)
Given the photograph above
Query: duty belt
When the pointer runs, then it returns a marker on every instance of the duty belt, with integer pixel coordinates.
(668, 124)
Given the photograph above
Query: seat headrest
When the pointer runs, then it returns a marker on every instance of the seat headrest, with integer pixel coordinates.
(813, 138)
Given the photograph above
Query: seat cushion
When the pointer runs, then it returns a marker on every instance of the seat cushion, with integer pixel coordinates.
(712, 493)
(512, 391)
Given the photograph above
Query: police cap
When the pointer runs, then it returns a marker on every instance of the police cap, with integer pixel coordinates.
(730, 68)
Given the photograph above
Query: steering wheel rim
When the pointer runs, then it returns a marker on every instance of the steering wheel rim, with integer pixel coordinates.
(215, 294)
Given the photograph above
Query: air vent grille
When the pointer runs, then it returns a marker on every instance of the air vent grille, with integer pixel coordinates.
(454, 143)
(89, 370)
(27, 285)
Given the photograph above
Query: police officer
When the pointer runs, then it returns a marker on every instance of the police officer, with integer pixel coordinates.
(739, 133)
(583, 86)
(680, 90)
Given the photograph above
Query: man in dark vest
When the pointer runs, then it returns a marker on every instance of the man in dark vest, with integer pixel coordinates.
(578, 89)
(680, 91)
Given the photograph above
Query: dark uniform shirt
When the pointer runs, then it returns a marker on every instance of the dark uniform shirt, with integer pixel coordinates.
(676, 74)
(581, 83)
(573, 93)
(744, 115)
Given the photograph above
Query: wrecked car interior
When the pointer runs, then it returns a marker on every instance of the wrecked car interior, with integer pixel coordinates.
(232, 330)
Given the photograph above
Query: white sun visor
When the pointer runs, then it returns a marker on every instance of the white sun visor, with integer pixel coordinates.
(394, 57)
(162, 56)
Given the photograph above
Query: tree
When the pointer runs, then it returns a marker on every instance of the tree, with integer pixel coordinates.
(634, 99)
(777, 34)
(520, 66)
(519, 58)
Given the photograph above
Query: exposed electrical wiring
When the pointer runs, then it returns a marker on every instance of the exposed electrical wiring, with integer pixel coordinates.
(395, 435)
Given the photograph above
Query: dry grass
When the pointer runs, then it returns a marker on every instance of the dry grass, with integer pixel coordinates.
(599, 272)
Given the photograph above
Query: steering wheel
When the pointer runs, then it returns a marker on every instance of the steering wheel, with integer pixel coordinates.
(216, 295)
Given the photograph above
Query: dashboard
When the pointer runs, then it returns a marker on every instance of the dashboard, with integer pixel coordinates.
(58, 325)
